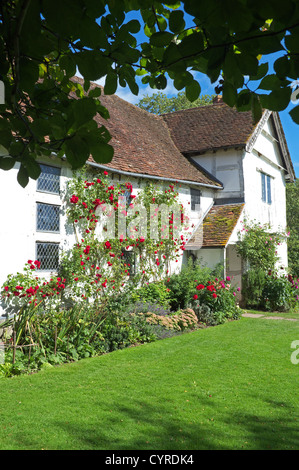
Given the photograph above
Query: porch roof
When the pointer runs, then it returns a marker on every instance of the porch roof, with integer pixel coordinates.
(217, 227)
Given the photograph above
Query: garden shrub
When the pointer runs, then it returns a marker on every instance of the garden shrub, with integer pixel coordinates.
(155, 292)
(272, 291)
(121, 331)
(215, 302)
(253, 282)
(279, 292)
(181, 285)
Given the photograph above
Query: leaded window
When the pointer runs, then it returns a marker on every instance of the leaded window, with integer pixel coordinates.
(195, 199)
(48, 218)
(49, 179)
(47, 254)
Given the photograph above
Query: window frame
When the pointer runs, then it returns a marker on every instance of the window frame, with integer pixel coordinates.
(195, 196)
(37, 214)
(41, 242)
(266, 188)
(59, 175)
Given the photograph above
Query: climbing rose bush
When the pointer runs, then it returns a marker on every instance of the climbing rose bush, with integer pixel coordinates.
(115, 244)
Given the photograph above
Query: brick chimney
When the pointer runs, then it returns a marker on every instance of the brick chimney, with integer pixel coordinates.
(217, 99)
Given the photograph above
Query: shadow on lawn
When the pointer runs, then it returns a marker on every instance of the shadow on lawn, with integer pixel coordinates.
(141, 426)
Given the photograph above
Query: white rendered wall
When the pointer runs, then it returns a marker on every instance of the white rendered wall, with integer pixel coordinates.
(265, 158)
(226, 166)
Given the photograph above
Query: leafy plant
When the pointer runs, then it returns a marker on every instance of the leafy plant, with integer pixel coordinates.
(258, 245)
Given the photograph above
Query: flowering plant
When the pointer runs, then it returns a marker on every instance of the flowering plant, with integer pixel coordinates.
(115, 243)
(218, 296)
(28, 288)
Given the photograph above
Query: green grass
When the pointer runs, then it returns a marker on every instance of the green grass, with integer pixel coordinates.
(228, 387)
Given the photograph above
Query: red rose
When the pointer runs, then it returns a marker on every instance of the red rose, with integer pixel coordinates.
(74, 199)
(195, 296)
(200, 286)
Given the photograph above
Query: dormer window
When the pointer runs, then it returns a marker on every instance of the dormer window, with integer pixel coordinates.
(266, 188)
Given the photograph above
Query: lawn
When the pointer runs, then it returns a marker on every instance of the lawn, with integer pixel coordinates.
(228, 387)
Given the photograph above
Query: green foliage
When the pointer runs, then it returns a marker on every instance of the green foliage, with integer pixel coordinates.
(292, 205)
(42, 44)
(270, 291)
(159, 103)
(152, 292)
(181, 285)
(258, 246)
(253, 282)
(278, 293)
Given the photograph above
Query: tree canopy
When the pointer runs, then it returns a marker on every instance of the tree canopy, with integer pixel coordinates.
(44, 43)
(160, 103)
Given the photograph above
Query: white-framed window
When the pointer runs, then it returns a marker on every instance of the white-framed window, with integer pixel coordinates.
(266, 188)
(49, 179)
(47, 254)
(195, 199)
(47, 217)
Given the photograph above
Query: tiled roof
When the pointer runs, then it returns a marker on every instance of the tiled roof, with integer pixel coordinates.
(210, 127)
(142, 144)
(217, 227)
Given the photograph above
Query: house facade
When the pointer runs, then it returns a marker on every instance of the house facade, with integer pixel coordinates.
(225, 169)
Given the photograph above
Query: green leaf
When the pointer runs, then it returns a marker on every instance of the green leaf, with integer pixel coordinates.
(32, 167)
(271, 82)
(161, 39)
(161, 82)
(110, 83)
(176, 21)
(277, 100)
(133, 26)
(256, 108)
(76, 151)
(182, 80)
(95, 92)
(247, 63)
(67, 63)
(282, 67)
(7, 163)
(92, 64)
(229, 94)
(83, 111)
(102, 152)
(191, 44)
(244, 100)
(193, 91)
(294, 113)
(261, 72)
(22, 176)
